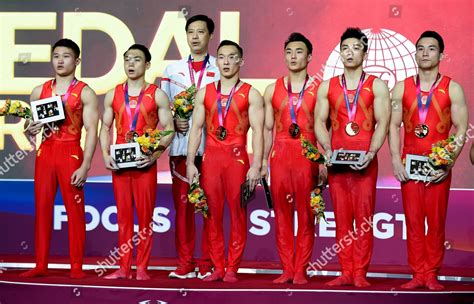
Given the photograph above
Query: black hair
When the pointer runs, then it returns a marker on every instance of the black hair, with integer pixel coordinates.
(209, 22)
(232, 43)
(355, 32)
(142, 48)
(300, 37)
(68, 43)
(435, 35)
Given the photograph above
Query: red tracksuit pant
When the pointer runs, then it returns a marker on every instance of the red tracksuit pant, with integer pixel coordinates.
(185, 226)
(430, 201)
(293, 177)
(224, 169)
(135, 186)
(353, 197)
(56, 161)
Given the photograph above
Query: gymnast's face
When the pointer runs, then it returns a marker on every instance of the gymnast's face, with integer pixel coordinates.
(296, 56)
(64, 61)
(428, 54)
(134, 64)
(229, 61)
(352, 52)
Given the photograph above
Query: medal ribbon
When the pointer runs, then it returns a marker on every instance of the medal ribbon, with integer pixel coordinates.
(133, 122)
(191, 70)
(179, 84)
(64, 98)
(219, 104)
(69, 89)
(293, 112)
(423, 111)
(351, 112)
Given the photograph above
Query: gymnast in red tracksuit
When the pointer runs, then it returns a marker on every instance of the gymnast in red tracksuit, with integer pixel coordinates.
(358, 106)
(289, 110)
(136, 106)
(428, 105)
(227, 109)
(60, 159)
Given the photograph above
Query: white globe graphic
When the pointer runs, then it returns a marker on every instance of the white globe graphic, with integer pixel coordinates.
(391, 57)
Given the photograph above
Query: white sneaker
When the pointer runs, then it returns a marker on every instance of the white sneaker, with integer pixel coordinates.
(183, 273)
(203, 276)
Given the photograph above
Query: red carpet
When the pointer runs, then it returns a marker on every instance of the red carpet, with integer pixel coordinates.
(57, 287)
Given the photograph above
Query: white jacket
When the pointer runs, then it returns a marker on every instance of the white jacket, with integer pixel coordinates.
(179, 72)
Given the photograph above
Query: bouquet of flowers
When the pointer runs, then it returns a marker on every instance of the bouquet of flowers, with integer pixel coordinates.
(183, 103)
(197, 197)
(15, 109)
(442, 153)
(150, 140)
(317, 203)
(311, 152)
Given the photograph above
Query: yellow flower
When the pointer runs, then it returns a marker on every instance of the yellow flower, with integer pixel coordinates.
(14, 107)
(143, 141)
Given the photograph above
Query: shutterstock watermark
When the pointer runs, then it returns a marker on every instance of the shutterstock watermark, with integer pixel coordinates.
(470, 132)
(318, 76)
(119, 252)
(12, 159)
(184, 11)
(330, 252)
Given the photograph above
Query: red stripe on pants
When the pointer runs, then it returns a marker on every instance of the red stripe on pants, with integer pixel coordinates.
(56, 161)
(185, 224)
(224, 169)
(430, 201)
(135, 186)
(293, 177)
(353, 197)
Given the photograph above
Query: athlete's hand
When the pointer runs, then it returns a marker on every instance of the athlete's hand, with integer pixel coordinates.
(181, 125)
(399, 171)
(253, 175)
(328, 155)
(191, 172)
(110, 163)
(144, 161)
(33, 127)
(369, 156)
(78, 178)
(323, 175)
